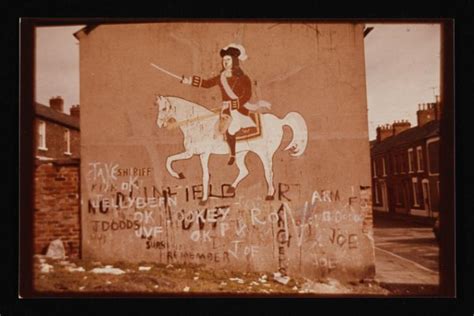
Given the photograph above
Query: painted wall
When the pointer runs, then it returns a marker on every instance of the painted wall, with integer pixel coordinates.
(320, 220)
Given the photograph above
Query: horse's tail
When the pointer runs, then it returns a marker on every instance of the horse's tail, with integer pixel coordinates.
(300, 133)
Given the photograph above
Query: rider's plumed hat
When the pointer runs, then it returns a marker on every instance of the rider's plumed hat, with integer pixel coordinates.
(234, 50)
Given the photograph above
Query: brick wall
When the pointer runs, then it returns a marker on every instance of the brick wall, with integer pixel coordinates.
(56, 211)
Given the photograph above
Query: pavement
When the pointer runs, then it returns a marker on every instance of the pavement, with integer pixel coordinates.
(407, 256)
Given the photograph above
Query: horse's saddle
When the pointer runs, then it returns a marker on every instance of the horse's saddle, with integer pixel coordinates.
(245, 132)
(252, 131)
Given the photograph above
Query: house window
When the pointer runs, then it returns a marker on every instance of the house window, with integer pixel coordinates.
(376, 192)
(419, 158)
(432, 156)
(42, 135)
(384, 171)
(67, 141)
(411, 160)
(414, 182)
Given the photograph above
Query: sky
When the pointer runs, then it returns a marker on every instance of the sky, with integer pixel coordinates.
(402, 69)
(57, 65)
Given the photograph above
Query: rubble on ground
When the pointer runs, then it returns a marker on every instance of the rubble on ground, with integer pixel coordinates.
(46, 268)
(108, 269)
(56, 250)
(144, 268)
(238, 280)
(75, 269)
(277, 276)
(88, 276)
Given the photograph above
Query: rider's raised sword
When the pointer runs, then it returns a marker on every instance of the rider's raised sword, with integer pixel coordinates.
(167, 72)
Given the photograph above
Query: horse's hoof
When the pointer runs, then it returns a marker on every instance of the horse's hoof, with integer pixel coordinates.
(181, 175)
(230, 190)
(202, 203)
(269, 198)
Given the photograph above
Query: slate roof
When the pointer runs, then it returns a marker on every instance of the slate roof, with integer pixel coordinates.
(49, 114)
(406, 137)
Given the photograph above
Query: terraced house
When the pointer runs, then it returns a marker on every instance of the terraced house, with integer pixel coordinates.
(56, 176)
(405, 164)
(57, 132)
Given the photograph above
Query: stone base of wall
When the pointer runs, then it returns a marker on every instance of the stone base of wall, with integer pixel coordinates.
(57, 202)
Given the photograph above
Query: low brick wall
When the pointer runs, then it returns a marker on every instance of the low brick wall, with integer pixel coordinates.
(56, 211)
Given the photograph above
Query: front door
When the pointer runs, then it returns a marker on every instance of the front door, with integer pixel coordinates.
(426, 196)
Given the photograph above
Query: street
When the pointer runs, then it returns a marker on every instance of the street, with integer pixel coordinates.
(406, 255)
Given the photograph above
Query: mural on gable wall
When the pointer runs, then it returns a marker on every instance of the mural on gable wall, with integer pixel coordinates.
(237, 122)
(262, 166)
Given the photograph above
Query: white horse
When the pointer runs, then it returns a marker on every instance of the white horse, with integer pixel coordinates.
(198, 125)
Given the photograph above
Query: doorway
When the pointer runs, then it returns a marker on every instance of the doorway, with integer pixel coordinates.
(426, 196)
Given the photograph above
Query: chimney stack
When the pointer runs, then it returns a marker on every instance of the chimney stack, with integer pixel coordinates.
(75, 111)
(383, 132)
(427, 112)
(400, 126)
(57, 103)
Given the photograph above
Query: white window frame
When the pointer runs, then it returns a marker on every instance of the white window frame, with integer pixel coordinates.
(67, 139)
(384, 171)
(374, 169)
(42, 136)
(376, 192)
(428, 193)
(414, 184)
(419, 158)
(429, 141)
(410, 162)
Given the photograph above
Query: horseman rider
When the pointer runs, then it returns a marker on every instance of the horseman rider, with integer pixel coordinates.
(236, 89)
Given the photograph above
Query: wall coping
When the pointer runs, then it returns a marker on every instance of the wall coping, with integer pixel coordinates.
(59, 162)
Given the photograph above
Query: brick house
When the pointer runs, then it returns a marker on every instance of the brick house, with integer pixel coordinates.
(56, 177)
(405, 165)
(57, 133)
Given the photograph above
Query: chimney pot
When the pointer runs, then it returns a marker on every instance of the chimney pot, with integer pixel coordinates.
(402, 126)
(75, 111)
(384, 131)
(57, 104)
(427, 114)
